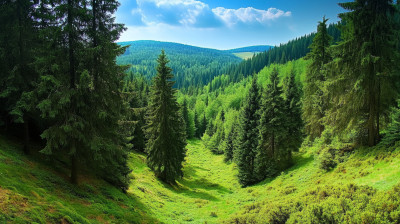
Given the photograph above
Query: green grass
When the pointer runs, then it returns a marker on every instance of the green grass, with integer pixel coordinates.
(31, 191)
(208, 193)
(245, 55)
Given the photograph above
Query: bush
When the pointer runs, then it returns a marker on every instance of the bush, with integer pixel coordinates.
(326, 159)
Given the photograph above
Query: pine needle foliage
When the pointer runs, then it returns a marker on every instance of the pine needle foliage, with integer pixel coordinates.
(165, 131)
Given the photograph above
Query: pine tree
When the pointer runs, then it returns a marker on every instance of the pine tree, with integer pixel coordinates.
(230, 144)
(197, 127)
(294, 123)
(270, 153)
(314, 105)
(81, 96)
(18, 42)
(248, 136)
(362, 78)
(185, 114)
(166, 135)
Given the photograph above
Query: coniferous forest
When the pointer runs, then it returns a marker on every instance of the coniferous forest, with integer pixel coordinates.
(95, 130)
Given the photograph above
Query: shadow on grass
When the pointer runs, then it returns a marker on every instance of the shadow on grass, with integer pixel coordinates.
(298, 161)
(194, 186)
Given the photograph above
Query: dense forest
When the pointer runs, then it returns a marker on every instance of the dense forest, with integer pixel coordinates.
(192, 66)
(304, 132)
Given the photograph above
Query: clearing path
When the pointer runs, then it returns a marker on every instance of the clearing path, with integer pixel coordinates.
(209, 191)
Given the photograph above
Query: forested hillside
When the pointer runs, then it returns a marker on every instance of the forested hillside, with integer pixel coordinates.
(192, 66)
(253, 49)
(306, 132)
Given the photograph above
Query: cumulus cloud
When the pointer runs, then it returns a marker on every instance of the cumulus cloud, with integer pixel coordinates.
(176, 12)
(193, 13)
(249, 15)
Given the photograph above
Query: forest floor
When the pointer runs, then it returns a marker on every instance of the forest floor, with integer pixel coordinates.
(35, 191)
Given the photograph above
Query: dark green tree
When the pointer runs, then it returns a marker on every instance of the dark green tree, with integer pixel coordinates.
(271, 154)
(230, 143)
(314, 105)
(80, 97)
(185, 114)
(363, 76)
(166, 135)
(197, 127)
(294, 123)
(18, 42)
(248, 136)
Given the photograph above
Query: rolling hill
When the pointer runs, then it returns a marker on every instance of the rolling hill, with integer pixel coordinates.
(191, 65)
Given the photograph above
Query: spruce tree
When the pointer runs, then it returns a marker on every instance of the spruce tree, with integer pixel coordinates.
(248, 136)
(197, 127)
(271, 153)
(293, 123)
(363, 76)
(314, 105)
(230, 144)
(185, 114)
(80, 97)
(166, 135)
(18, 43)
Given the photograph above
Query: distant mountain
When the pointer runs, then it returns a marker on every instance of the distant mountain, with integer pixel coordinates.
(191, 65)
(253, 49)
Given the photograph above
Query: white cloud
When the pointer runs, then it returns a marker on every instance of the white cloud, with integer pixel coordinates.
(193, 13)
(249, 15)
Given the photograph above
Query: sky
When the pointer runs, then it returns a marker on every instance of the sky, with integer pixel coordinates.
(223, 24)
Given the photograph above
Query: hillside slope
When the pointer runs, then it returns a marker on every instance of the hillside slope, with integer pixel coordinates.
(191, 65)
(209, 192)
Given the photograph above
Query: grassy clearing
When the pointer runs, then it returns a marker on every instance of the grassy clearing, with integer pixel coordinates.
(245, 55)
(208, 193)
(32, 192)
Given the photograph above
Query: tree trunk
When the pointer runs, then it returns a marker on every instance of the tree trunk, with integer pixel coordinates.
(26, 137)
(74, 169)
(372, 110)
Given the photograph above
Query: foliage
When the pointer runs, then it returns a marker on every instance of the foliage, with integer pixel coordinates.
(248, 135)
(192, 66)
(314, 103)
(166, 135)
(363, 72)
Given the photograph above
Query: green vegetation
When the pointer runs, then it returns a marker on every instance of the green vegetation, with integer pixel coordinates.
(165, 128)
(33, 190)
(192, 66)
(209, 191)
(286, 143)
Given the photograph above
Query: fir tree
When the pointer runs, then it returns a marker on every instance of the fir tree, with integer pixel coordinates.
(271, 154)
(230, 144)
(248, 136)
(362, 78)
(81, 96)
(314, 105)
(166, 135)
(294, 123)
(18, 43)
(185, 114)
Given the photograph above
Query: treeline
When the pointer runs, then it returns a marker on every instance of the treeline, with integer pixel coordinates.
(192, 66)
(345, 94)
(59, 80)
(281, 54)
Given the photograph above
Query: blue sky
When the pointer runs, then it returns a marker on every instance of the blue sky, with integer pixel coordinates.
(223, 24)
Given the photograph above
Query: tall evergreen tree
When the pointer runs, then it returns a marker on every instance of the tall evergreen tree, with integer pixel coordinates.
(363, 75)
(18, 41)
(248, 136)
(294, 123)
(185, 114)
(80, 97)
(314, 105)
(230, 143)
(271, 153)
(166, 135)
